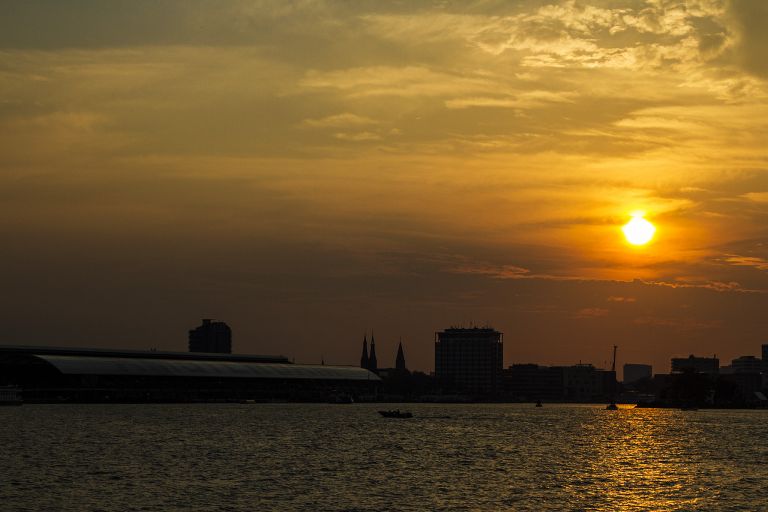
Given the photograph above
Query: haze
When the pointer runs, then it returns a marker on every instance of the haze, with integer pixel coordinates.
(310, 171)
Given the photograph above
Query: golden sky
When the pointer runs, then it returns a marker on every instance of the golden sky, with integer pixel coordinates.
(310, 170)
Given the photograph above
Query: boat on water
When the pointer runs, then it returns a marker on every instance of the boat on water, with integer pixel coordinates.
(539, 404)
(612, 407)
(10, 395)
(396, 414)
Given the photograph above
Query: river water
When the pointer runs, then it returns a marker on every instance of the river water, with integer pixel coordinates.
(227, 457)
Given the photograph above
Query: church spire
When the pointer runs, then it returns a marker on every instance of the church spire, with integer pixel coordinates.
(372, 363)
(364, 357)
(400, 359)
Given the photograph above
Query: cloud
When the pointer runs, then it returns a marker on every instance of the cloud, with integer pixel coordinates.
(575, 34)
(494, 271)
(748, 261)
(591, 313)
(397, 81)
(751, 36)
(525, 100)
(717, 286)
(338, 121)
(358, 136)
(758, 197)
(680, 324)
(621, 299)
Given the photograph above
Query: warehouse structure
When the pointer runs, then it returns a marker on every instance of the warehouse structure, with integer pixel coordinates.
(55, 374)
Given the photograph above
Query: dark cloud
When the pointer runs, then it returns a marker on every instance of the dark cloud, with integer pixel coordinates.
(751, 17)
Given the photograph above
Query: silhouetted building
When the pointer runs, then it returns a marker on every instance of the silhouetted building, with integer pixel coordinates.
(634, 372)
(400, 359)
(585, 383)
(469, 361)
(364, 356)
(211, 337)
(745, 385)
(746, 364)
(373, 364)
(55, 374)
(708, 365)
(531, 382)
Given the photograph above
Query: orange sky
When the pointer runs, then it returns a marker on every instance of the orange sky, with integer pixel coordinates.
(312, 170)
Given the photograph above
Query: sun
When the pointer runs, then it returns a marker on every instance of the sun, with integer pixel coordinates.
(638, 231)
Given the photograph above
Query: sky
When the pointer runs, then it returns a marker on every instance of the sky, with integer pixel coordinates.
(313, 171)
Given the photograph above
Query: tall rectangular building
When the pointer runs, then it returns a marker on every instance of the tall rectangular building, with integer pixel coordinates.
(211, 337)
(469, 361)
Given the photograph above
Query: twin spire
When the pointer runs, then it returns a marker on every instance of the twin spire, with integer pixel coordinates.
(368, 359)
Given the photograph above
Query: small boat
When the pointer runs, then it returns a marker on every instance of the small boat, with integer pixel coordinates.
(396, 414)
(539, 404)
(612, 407)
(10, 395)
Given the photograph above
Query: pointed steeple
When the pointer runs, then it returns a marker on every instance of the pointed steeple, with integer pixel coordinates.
(400, 359)
(372, 363)
(364, 356)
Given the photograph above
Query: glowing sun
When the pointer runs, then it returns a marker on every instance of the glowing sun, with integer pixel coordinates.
(638, 231)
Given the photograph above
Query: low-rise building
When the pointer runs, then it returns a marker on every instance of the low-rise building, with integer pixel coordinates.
(708, 365)
(531, 382)
(585, 383)
(634, 372)
(747, 364)
(57, 374)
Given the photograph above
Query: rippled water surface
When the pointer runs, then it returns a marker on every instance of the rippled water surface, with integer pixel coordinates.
(346, 457)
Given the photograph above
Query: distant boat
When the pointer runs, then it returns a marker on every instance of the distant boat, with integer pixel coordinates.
(612, 407)
(539, 404)
(396, 414)
(10, 395)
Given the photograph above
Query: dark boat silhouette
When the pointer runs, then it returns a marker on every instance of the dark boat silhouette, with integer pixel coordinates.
(396, 414)
(539, 404)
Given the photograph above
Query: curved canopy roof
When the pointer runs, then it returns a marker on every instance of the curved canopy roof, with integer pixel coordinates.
(79, 365)
(141, 354)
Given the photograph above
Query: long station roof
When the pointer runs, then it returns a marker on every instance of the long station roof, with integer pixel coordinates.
(141, 354)
(88, 365)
